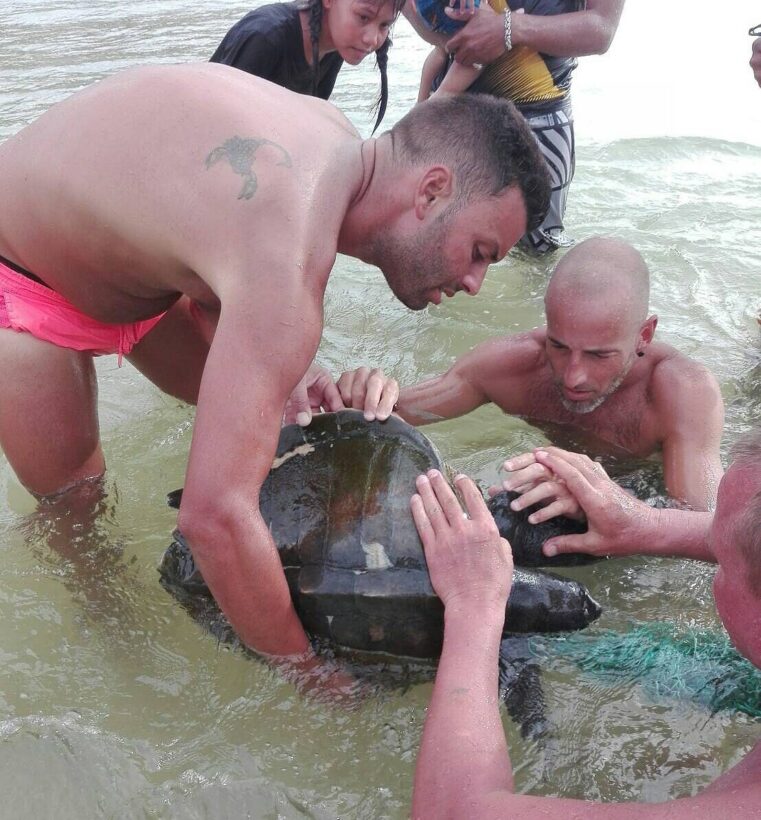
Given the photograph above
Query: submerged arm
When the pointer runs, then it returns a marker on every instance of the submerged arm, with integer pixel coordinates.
(464, 769)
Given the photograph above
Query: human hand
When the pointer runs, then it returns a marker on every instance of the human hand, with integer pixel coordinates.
(755, 60)
(471, 567)
(322, 679)
(617, 523)
(482, 40)
(536, 484)
(314, 393)
(369, 390)
(462, 9)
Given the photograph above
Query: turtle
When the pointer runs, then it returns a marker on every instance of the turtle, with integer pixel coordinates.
(337, 504)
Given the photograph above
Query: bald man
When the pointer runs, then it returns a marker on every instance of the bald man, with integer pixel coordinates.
(595, 370)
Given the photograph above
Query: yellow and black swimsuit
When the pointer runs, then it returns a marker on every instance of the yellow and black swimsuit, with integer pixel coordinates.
(535, 82)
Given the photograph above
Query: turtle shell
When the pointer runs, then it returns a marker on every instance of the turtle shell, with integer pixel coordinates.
(337, 502)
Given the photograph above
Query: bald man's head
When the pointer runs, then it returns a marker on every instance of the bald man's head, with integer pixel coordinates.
(602, 274)
(597, 323)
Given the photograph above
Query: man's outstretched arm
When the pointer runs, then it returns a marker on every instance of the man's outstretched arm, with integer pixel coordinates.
(617, 523)
(463, 768)
(492, 371)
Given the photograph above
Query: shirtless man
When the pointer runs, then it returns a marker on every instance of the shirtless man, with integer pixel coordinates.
(177, 211)
(593, 369)
(464, 768)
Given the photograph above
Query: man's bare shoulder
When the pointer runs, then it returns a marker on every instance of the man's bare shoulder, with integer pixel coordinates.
(683, 391)
(674, 370)
(505, 369)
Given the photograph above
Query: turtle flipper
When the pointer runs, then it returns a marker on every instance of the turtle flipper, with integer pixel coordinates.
(520, 687)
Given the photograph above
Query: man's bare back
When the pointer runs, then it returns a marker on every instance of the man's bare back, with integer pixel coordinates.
(129, 226)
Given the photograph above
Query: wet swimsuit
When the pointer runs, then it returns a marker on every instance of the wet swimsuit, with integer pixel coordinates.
(28, 305)
(269, 42)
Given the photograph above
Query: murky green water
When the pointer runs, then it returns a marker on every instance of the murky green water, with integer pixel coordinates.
(114, 704)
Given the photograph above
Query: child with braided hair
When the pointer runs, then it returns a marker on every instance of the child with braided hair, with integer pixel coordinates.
(301, 45)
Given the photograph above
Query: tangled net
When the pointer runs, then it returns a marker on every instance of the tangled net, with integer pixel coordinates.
(692, 663)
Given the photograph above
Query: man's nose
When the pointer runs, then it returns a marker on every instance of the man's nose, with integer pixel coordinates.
(472, 282)
(575, 373)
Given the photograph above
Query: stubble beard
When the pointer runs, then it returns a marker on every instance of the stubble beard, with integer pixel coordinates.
(582, 408)
(413, 266)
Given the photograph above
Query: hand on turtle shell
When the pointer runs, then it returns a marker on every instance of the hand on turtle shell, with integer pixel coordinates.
(615, 519)
(369, 390)
(314, 393)
(537, 484)
(470, 566)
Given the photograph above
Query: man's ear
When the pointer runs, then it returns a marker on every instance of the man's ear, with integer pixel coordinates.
(646, 333)
(434, 189)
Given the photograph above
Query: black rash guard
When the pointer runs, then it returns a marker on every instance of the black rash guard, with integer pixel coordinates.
(268, 42)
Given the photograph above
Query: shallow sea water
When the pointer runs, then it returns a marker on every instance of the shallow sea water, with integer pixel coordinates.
(114, 704)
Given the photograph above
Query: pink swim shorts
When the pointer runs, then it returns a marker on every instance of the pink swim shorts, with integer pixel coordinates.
(27, 306)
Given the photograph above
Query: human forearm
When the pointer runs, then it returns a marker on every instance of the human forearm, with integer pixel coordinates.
(463, 753)
(693, 481)
(458, 79)
(241, 567)
(676, 534)
(443, 397)
(575, 34)
(432, 67)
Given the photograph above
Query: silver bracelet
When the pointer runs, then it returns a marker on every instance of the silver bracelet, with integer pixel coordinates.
(508, 29)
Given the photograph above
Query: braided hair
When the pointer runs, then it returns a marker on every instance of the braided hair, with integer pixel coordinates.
(314, 7)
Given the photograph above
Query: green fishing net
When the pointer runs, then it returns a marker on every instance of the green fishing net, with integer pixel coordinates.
(668, 661)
